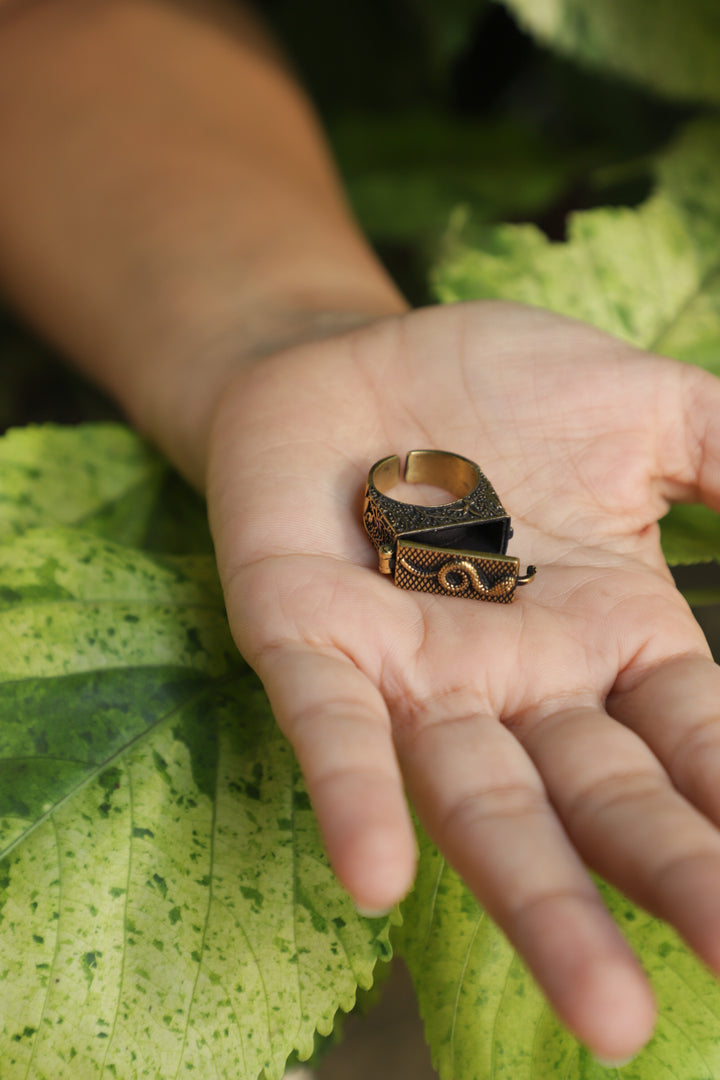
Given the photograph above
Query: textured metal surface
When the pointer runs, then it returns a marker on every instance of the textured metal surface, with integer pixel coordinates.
(387, 518)
(438, 549)
(376, 524)
(464, 573)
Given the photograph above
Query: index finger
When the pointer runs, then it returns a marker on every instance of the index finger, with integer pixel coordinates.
(339, 727)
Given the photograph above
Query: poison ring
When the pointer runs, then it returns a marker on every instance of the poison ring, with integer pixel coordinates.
(456, 549)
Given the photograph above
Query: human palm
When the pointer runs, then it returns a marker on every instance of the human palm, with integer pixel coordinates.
(579, 725)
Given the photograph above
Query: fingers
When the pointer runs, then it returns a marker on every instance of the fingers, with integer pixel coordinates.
(689, 436)
(629, 823)
(675, 709)
(483, 802)
(338, 725)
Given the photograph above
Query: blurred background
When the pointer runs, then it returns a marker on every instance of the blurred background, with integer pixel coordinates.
(432, 109)
(429, 107)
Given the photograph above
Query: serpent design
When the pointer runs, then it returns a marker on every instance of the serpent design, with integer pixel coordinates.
(468, 575)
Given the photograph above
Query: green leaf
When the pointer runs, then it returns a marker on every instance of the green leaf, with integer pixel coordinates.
(485, 1017)
(101, 477)
(406, 172)
(703, 597)
(637, 273)
(165, 904)
(691, 534)
(669, 47)
(650, 276)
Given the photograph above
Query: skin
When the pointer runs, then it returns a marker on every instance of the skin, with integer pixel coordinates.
(578, 725)
(221, 291)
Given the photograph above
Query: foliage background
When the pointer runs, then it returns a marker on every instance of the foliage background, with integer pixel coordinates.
(118, 749)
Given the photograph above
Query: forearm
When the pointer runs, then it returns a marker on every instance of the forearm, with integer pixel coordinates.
(168, 209)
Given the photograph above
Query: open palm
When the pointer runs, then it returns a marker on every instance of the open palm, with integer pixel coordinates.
(579, 725)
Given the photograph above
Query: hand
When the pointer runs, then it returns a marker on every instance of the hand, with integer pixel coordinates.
(578, 725)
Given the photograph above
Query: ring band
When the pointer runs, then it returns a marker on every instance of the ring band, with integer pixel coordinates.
(456, 549)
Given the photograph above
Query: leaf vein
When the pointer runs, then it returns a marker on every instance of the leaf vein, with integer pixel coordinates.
(118, 755)
(121, 980)
(50, 983)
(461, 980)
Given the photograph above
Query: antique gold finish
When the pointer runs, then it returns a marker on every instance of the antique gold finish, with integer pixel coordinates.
(385, 555)
(455, 549)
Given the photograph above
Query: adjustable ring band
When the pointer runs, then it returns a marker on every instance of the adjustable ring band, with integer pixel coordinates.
(456, 549)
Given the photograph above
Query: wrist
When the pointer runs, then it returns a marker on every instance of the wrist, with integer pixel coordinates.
(174, 399)
(194, 222)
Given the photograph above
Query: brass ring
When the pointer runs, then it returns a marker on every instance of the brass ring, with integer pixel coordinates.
(456, 549)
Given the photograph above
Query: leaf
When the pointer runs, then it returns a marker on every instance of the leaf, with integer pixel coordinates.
(485, 1017)
(670, 48)
(690, 534)
(405, 172)
(102, 477)
(703, 597)
(650, 276)
(635, 273)
(165, 903)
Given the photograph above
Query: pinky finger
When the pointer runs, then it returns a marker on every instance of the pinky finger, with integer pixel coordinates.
(340, 730)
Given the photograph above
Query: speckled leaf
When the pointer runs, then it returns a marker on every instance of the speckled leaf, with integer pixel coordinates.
(103, 478)
(70, 476)
(668, 46)
(165, 905)
(650, 276)
(485, 1018)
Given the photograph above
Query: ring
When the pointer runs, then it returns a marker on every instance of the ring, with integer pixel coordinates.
(456, 549)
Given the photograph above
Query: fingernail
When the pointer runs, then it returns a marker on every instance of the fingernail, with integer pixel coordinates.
(618, 1064)
(373, 913)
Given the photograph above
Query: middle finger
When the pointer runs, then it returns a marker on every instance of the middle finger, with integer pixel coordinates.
(483, 802)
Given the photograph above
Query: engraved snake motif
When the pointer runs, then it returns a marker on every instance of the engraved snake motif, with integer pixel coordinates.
(468, 575)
